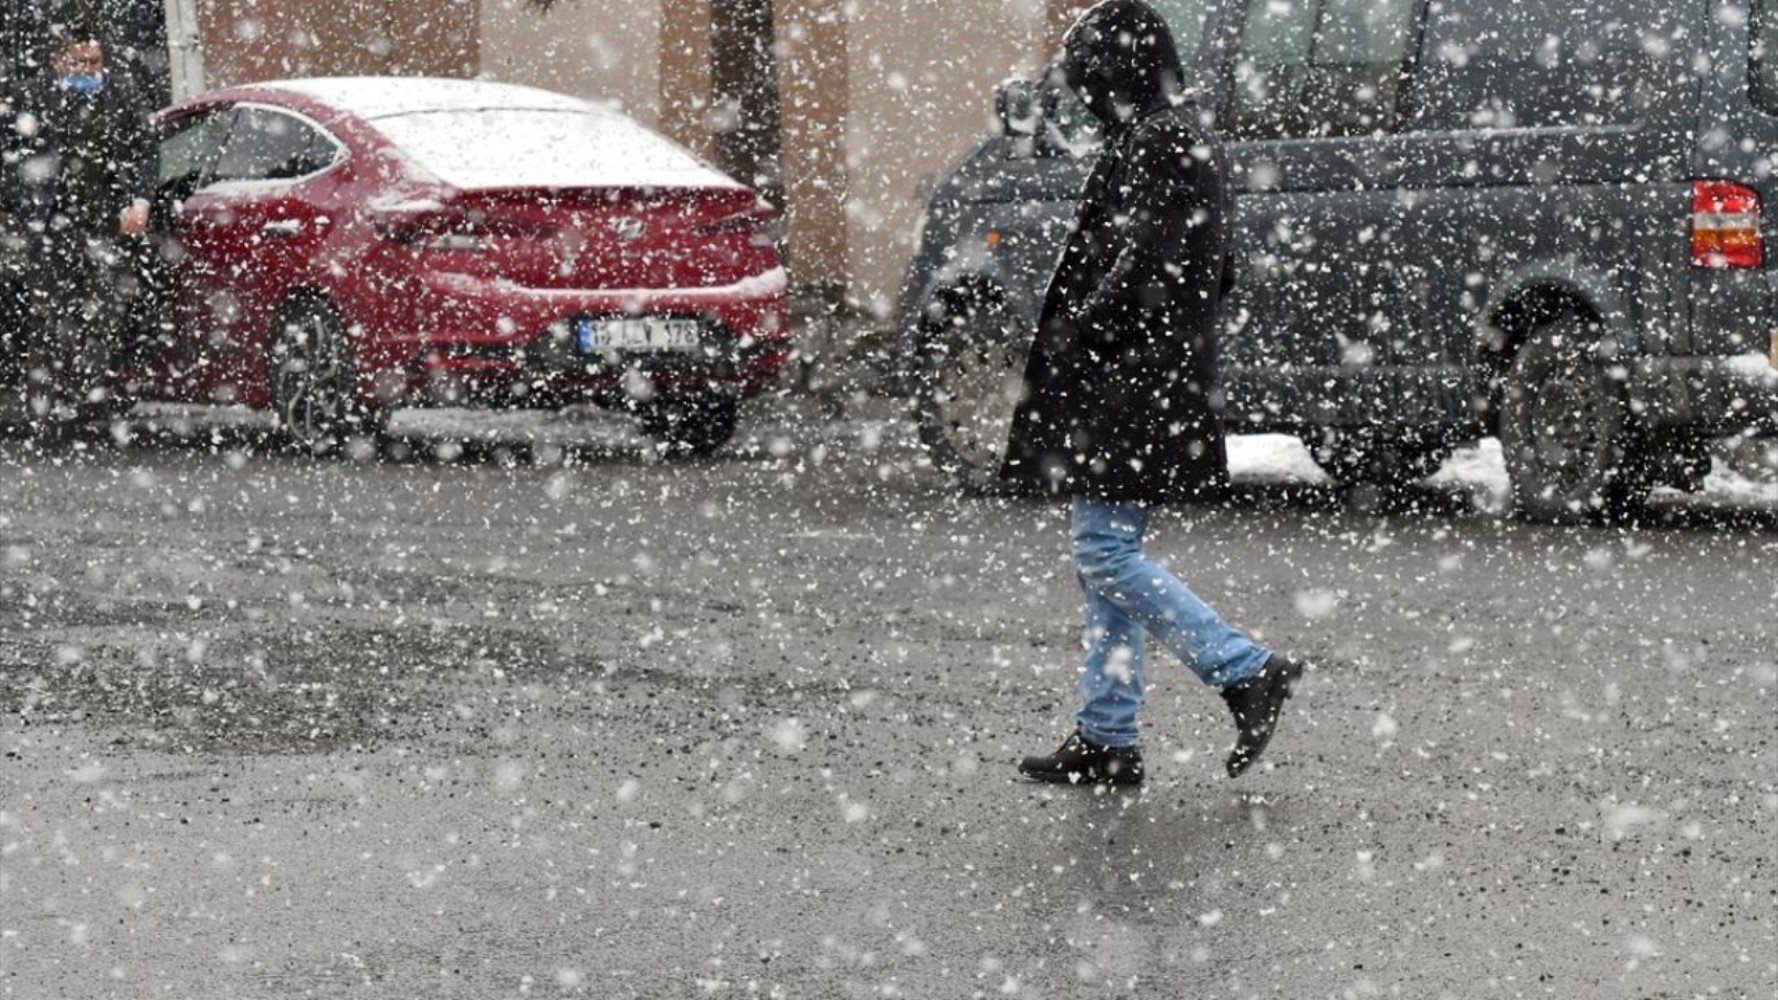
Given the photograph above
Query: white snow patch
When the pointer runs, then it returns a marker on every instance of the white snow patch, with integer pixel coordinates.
(573, 427)
(1754, 366)
(1623, 818)
(86, 773)
(1120, 665)
(853, 811)
(1272, 458)
(377, 96)
(187, 418)
(1316, 603)
(478, 134)
(769, 282)
(1727, 483)
(1481, 469)
(1385, 727)
(482, 149)
(790, 735)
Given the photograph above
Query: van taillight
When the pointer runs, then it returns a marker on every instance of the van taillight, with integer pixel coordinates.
(1725, 226)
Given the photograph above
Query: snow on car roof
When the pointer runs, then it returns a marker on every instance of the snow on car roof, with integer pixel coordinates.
(379, 96)
(479, 135)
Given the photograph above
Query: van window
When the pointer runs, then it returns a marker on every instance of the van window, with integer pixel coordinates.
(1762, 75)
(1186, 19)
(1318, 68)
(1549, 63)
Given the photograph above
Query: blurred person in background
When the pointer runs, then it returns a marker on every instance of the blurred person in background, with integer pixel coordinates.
(85, 175)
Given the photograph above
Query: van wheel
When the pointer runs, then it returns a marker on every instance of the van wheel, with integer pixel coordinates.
(696, 425)
(1390, 459)
(969, 378)
(1570, 442)
(313, 379)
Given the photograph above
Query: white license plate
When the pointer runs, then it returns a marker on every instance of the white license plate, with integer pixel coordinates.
(646, 333)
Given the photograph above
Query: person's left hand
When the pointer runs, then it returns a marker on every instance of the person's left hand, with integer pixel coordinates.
(134, 221)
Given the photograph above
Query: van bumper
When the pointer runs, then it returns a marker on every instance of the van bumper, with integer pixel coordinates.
(1718, 395)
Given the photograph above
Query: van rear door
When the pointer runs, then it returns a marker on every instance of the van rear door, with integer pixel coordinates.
(1735, 309)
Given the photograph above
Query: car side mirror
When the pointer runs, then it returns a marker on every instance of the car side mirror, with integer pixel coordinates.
(1018, 108)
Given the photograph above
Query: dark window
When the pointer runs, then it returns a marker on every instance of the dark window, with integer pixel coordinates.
(1762, 71)
(1314, 68)
(269, 145)
(188, 148)
(1549, 63)
(1185, 18)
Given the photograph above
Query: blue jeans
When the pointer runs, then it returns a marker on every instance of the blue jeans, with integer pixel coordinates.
(1128, 594)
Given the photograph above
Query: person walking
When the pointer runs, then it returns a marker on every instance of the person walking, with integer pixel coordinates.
(1122, 410)
(88, 175)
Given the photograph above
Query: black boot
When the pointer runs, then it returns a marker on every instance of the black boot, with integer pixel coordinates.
(1257, 703)
(1081, 762)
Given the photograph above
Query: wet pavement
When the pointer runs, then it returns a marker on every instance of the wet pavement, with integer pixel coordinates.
(504, 720)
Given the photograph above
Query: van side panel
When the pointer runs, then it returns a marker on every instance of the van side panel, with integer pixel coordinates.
(1378, 265)
(1321, 317)
(1372, 302)
(1609, 240)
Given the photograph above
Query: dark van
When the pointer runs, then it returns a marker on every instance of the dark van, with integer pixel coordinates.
(1544, 220)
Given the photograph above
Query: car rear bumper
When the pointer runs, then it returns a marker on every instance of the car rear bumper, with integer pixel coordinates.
(530, 374)
(496, 343)
(1719, 395)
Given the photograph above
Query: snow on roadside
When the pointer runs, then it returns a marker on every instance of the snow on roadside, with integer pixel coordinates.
(1752, 486)
(1479, 468)
(1272, 458)
(1744, 477)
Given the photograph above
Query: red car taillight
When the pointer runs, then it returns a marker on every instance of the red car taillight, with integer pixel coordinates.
(1726, 226)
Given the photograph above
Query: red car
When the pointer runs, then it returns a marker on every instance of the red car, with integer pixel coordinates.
(340, 247)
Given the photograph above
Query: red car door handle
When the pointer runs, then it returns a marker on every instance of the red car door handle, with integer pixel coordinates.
(207, 219)
(282, 227)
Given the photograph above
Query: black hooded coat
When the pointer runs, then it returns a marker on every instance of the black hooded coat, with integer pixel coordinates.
(1121, 399)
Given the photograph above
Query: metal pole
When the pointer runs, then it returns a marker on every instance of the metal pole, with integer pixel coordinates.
(185, 48)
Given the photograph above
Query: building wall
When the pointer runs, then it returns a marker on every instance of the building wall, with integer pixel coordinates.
(250, 40)
(602, 50)
(814, 84)
(923, 74)
(1059, 15)
(685, 74)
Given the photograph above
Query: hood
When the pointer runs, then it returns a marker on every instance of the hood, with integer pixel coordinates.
(1120, 58)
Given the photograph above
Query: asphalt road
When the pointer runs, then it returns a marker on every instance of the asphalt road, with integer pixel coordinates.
(496, 722)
